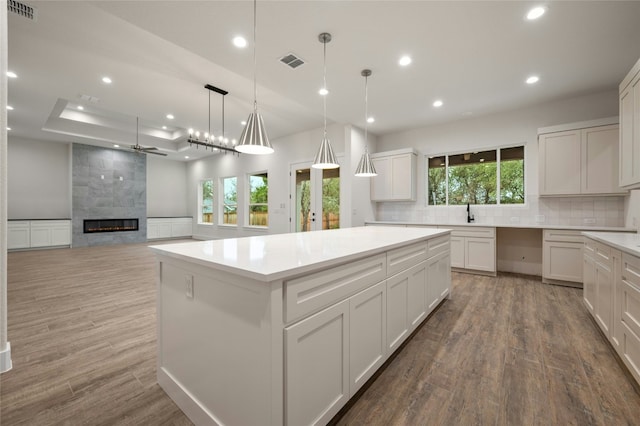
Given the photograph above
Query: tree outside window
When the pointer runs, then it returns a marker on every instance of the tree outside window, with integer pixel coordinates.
(473, 177)
(206, 201)
(258, 200)
(230, 201)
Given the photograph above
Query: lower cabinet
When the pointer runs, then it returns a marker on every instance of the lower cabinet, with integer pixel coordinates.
(562, 256)
(169, 227)
(330, 354)
(473, 248)
(612, 296)
(24, 234)
(317, 357)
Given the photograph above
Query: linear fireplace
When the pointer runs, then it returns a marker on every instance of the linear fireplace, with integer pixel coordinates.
(110, 225)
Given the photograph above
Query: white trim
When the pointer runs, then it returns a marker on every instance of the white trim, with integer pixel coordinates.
(579, 125)
(5, 359)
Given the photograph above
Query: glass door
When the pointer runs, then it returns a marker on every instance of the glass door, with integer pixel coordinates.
(315, 198)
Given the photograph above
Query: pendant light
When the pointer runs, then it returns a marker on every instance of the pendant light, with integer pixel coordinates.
(325, 158)
(254, 139)
(365, 167)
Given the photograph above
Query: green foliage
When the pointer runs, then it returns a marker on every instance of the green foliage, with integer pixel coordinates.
(512, 182)
(331, 199)
(437, 186)
(473, 183)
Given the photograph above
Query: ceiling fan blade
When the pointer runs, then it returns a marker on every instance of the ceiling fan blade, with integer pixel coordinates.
(155, 153)
(149, 148)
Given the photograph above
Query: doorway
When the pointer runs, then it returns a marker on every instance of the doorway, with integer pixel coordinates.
(315, 198)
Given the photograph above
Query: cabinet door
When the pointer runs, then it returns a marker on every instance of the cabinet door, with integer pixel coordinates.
(627, 147)
(438, 279)
(559, 161)
(417, 295)
(397, 315)
(589, 283)
(600, 160)
(457, 252)
(61, 235)
(181, 228)
(368, 334)
(381, 184)
(40, 236)
(480, 254)
(317, 366)
(604, 297)
(18, 235)
(563, 261)
(402, 180)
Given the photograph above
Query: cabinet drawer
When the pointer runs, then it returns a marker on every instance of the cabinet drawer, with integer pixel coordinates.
(630, 349)
(631, 269)
(565, 236)
(603, 253)
(403, 258)
(437, 245)
(589, 247)
(313, 292)
(471, 231)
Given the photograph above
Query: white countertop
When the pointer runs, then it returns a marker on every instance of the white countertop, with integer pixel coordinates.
(626, 242)
(510, 225)
(273, 257)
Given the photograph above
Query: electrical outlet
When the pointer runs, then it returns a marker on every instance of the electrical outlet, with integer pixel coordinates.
(589, 221)
(188, 285)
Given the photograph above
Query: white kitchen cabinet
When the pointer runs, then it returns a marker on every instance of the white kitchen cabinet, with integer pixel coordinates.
(368, 334)
(438, 279)
(396, 179)
(169, 227)
(630, 129)
(562, 256)
(628, 308)
(473, 249)
(397, 315)
(589, 277)
(579, 161)
(18, 234)
(317, 354)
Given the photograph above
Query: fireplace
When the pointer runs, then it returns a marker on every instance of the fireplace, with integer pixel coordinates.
(109, 225)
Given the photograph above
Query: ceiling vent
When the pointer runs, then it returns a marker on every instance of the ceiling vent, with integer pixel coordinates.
(21, 9)
(291, 60)
(88, 98)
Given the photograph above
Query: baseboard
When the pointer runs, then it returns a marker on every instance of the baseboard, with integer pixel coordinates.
(5, 359)
(189, 405)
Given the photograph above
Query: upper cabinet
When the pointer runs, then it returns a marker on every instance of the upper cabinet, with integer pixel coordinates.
(630, 129)
(579, 161)
(396, 180)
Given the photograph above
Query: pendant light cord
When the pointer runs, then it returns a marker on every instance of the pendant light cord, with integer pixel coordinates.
(366, 112)
(324, 98)
(210, 135)
(255, 66)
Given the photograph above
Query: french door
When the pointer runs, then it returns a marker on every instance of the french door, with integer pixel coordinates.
(315, 198)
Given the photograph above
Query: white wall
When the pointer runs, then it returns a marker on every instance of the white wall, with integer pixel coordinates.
(39, 179)
(166, 187)
(289, 150)
(509, 128)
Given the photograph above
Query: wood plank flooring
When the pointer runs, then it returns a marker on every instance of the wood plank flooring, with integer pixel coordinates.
(502, 351)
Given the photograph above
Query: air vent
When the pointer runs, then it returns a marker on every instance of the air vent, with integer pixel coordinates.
(88, 98)
(291, 60)
(21, 9)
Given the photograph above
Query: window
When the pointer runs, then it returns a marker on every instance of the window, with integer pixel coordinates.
(205, 202)
(230, 201)
(480, 177)
(258, 200)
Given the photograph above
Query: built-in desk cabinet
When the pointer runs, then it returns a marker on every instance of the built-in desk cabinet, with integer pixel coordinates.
(630, 129)
(562, 261)
(169, 227)
(473, 248)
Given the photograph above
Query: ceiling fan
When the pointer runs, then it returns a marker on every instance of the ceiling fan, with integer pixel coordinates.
(144, 149)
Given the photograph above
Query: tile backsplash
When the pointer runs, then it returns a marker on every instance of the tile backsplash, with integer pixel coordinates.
(570, 211)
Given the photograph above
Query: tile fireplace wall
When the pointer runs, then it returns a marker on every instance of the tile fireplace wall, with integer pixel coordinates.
(108, 184)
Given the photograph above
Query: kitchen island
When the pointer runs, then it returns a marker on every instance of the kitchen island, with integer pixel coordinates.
(284, 329)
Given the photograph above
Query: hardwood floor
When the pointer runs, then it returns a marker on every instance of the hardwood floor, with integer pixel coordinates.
(502, 351)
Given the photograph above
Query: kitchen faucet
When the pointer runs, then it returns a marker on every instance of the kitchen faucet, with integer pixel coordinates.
(470, 217)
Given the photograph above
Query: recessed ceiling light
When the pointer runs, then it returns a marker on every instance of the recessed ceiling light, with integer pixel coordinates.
(106, 80)
(186, 156)
(80, 107)
(9, 107)
(8, 128)
(533, 79)
(239, 42)
(233, 141)
(12, 74)
(244, 123)
(536, 12)
(370, 120)
(170, 116)
(323, 91)
(438, 103)
(405, 60)
(164, 127)
(116, 145)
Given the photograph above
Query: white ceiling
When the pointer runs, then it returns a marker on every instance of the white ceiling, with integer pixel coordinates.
(473, 55)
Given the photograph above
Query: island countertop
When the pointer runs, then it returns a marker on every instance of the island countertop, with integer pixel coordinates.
(272, 257)
(626, 242)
